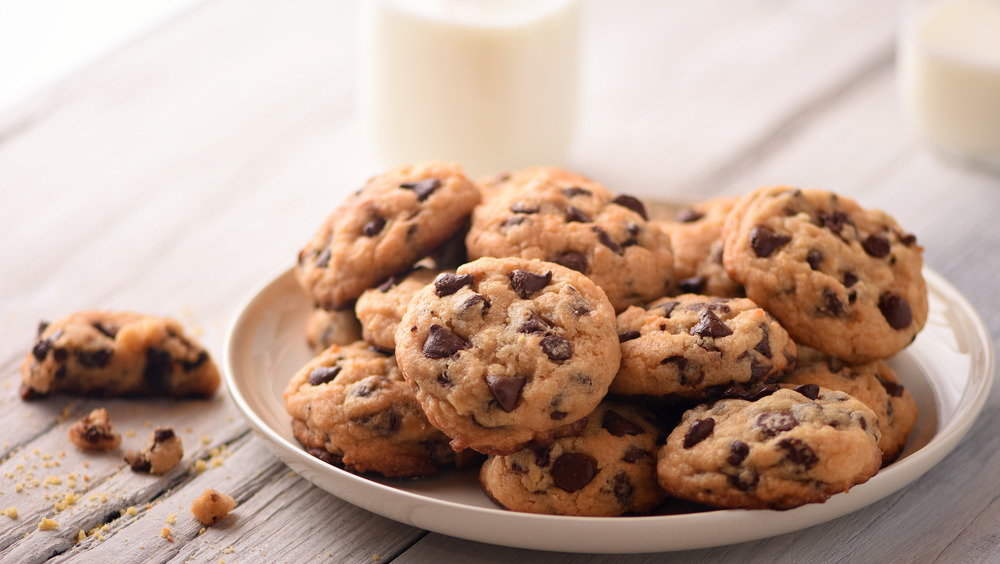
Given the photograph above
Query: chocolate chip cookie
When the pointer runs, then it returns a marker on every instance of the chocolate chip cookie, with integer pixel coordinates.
(839, 278)
(557, 216)
(107, 353)
(696, 238)
(609, 469)
(350, 407)
(506, 352)
(874, 383)
(325, 328)
(793, 447)
(380, 309)
(395, 220)
(694, 346)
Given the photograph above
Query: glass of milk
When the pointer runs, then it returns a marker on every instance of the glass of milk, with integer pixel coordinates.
(949, 76)
(489, 84)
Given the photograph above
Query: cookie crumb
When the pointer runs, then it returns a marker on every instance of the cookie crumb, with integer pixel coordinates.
(11, 512)
(47, 524)
(95, 432)
(166, 533)
(162, 452)
(171, 519)
(212, 506)
(81, 536)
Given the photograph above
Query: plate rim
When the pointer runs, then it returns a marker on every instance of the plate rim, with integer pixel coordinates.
(968, 408)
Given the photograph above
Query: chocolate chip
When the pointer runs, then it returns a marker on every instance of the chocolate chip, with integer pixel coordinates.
(738, 452)
(815, 258)
(850, 279)
(698, 431)
(505, 389)
(444, 381)
(521, 207)
(575, 214)
(606, 240)
(542, 456)
(572, 471)
(620, 426)
(623, 489)
(894, 389)
(764, 391)
(693, 285)
(764, 345)
(526, 283)
(534, 324)
(373, 227)
(41, 349)
(323, 260)
(512, 221)
(384, 423)
(679, 361)
(634, 454)
(189, 365)
(876, 246)
(710, 326)
(162, 434)
(831, 306)
(389, 284)
(442, 343)
(447, 284)
(558, 415)
(573, 260)
(835, 221)
(557, 348)
(689, 215)
(575, 191)
(667, 307)
(94, 359)
(896, 310)
(631, 203)
(475, 300)
(773, 423)
(42, 326)
(137, 462)
(580, 308)
(422, 188)
(758, 370)
(764, 241)
(798, 452)
(365, 388)
(323, 374)
(59, 354)
(810, 391)
(108, 332)
(908, 239)
(628, 336)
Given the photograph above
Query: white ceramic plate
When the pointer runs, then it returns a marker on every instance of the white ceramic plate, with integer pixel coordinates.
(949, 369)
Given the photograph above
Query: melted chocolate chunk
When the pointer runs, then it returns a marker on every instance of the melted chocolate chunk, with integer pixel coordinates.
(831, 306)
(42, 326)
(442, 343)
(607, 241)
(764, 391)
(108, 332)
(835, 221)
(94, 359)
(534, 324)
(894, 389)
(774, 423)
(322, 375)
(798, 452)
(815, 258)
(620, 426)
(521, 207)
(558, 415)
(628, 336)
(385, 423)
(575, 191)
(698, 431)
(634, 454)
(631, 203)
(810, 391)
(557, 348)
(323, 260)
(679, 361)
(850, 279)
(162, 434)
(137, 462)
(512, 221)
(693, 285)
(422, 188)
(573, 470)
(444, 381)
(475, 300)
(667, 307)
(373, 227)
(506, 390)
(896, 310)
(710, 326)
(447, 284)
(574, 214)
(738, 452)
(542, 456)
(876, 246)
(764, 345)
(907, 239)
(689, 215)
(573, 260)
(159, 366)
(758, 370)
(41, 349)
(623, 489)
(526, 283)
(189, 365)
(764, 241)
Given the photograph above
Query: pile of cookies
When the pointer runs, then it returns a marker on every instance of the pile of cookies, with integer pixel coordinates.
(591, 359)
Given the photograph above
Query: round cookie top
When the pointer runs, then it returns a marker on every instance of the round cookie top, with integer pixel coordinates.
(395, 220)
(694, 346)
(696, 239)
(793, 447)
(380, 309)
(506, 352)
(609, 469)
(554, 215)
(840, 278)
(351, 407)
(874, 383)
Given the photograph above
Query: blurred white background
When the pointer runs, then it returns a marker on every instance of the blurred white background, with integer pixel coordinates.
(43, 41)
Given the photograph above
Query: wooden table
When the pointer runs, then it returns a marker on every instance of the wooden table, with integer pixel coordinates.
(179, 173)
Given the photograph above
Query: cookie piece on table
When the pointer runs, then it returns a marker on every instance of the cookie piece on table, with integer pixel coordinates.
(609, 469)
(694, 346)
(350, 407)
(874, 383)
(212, 506)
(781, 451)
(696, 239)
(553, 215)
(508, 352)
(325, 328)
(395, 220)
(163, 450)
(95, 432)
(838, 277)
(106, 353)
(380, 309)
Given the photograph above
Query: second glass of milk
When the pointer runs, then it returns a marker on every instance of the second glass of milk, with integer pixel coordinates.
(489, 84)
(949, 73)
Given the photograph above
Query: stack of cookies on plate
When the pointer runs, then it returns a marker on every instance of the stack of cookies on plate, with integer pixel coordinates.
(602, 360)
